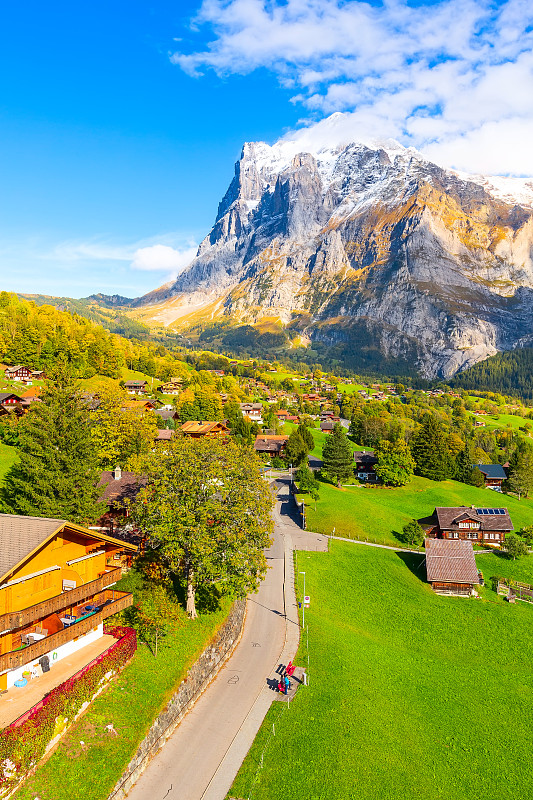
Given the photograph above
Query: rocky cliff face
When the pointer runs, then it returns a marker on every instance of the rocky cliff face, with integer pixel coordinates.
(434, 265)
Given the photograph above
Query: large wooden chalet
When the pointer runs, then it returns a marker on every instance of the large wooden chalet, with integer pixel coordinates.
(451, 566)
(482, 525)
(56, 589)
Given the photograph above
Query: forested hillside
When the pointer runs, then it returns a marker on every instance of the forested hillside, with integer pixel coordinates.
(40, 335)
(509, 373)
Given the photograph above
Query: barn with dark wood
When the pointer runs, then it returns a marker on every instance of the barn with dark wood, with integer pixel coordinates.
(451, 566)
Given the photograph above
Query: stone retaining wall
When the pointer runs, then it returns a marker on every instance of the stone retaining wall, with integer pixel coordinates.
(198, 678)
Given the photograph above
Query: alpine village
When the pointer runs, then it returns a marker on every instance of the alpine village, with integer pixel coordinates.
(266, 530)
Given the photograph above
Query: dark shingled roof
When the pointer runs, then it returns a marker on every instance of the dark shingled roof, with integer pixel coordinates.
(449, 561)
(492, 470)
(20, 536)
(449, 518)
(127, 487)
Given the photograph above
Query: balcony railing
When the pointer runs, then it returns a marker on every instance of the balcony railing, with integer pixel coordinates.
(17, 658)
(19, 619)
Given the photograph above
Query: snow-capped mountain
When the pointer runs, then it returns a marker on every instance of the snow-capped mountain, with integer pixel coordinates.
(366, 241)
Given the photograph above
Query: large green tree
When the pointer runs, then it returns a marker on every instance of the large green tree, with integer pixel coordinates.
(395, 465)
(57, 472)
(521, 470)
(296, 450)
(428, 446)
(208, 509)
(337, 455)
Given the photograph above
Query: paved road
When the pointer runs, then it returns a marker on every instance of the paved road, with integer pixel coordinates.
(203, 755)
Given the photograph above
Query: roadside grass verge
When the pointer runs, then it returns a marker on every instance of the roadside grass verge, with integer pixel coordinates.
(131, 703)
(410, 695)
(378, 514)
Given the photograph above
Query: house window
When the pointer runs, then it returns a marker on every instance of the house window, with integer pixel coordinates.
(453, 535)
(471, 535)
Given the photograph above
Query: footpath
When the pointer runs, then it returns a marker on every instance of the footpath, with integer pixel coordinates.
(202, 757)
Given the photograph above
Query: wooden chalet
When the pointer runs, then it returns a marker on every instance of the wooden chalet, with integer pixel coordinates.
(254, 411)
(56, 590)
(451, 567)
(167, 413)
(365, 463)
(201, 430)
(494, 475)
(119, 489)
(136, 387)
(481, 525)
(138, 406)
(273, 445)
(169, 388)
(18, 373)
(9, 400)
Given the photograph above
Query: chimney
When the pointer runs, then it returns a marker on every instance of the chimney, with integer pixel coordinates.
(117, 474)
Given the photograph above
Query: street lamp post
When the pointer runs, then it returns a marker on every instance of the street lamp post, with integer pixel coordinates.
(303, 604)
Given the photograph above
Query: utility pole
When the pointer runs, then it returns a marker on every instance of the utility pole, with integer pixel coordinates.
(303, 604)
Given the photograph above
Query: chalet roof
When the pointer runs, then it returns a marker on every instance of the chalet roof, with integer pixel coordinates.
(16, 367)
(136, 383)
(20, 536)
(367, 458)
(127, 487)
(492, 470)
(450, 561)
(327, 426)
(166, 413)
(201, 427)
(269, 443)
(164, 435)
(490, 519)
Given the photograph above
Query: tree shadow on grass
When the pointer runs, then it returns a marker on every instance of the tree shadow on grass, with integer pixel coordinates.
(415, 564)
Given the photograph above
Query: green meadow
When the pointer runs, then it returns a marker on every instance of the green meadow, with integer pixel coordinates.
(411, 695)
(378, 513)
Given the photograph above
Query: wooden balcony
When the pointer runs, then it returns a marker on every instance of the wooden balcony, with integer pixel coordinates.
(114, 602)
(19, 619)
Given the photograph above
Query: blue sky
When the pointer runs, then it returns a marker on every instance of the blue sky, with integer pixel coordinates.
(120, 121)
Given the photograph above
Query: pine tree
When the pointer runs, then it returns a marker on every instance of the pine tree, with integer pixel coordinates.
(57, 472)
(428, 447)
(521, 470)
(337, 455)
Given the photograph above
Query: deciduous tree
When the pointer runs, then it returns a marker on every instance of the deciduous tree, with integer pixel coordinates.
(395, 465)
(208, 507)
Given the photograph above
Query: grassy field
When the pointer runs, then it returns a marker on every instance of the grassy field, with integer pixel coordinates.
(131, 704)
(320, 438)
(502, 421)
(8, 456)
(376, 513)
(411, 695)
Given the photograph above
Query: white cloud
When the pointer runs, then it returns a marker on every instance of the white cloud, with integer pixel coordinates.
(163, 257)
(144, 255)
(453, 78)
